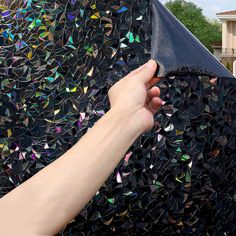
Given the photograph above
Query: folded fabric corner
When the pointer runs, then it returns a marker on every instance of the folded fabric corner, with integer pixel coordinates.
(177, 50)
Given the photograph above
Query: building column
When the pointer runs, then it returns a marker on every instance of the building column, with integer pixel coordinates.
(234, 68)
(224, 36)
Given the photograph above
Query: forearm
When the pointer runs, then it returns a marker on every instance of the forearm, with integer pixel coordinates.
(57, 193)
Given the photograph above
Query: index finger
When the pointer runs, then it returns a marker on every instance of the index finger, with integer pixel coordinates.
(152, 82)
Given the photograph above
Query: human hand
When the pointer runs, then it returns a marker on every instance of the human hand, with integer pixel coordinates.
(136, 96)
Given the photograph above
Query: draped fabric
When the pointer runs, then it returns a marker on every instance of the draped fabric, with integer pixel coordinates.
(177, 51)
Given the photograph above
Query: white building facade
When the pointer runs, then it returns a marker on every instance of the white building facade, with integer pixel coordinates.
(226, 52)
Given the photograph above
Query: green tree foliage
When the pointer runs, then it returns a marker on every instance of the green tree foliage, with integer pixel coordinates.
(229, 66)
(208, 32)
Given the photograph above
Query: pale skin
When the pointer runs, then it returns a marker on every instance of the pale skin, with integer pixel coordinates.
(46, 202)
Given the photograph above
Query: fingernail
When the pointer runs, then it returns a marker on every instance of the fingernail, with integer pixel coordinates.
(151, 63)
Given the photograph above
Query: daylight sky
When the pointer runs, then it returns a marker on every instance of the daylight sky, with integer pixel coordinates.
(211, 7)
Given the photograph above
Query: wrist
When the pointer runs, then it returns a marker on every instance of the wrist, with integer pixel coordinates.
(127, 120)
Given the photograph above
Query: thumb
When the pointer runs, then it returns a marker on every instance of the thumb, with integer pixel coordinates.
(148, 71)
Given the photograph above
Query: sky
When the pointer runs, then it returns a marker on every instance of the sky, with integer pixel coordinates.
(211, 7)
